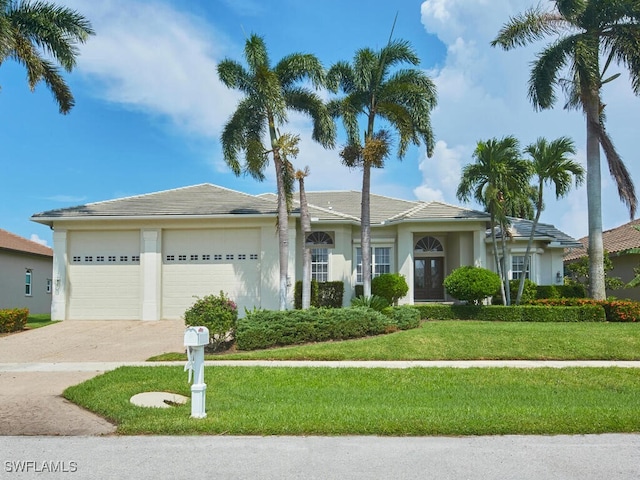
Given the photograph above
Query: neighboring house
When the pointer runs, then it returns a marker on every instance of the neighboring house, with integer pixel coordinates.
(147, 257)
(25, 274)
(623, 245)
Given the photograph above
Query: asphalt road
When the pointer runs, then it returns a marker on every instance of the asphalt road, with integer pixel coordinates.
(584, 457)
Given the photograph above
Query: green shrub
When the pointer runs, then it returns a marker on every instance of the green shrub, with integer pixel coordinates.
(547, 291)
(375, 302)
(521, 313)
(406, 317)
(529, 292)
(576, 290)
(219, 314)
(323, 294)
(615, 310)
(13, 320)
(264, 329)
(472, 284)
(391, 286)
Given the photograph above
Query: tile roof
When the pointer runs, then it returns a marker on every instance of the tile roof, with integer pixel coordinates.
(11, 241)
(615, 241)
(521, 228)
(198, 200)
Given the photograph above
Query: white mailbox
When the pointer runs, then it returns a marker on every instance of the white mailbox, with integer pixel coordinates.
(196, 337)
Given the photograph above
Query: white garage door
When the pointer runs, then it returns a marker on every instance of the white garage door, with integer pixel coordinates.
(104, 275)
(196, 263)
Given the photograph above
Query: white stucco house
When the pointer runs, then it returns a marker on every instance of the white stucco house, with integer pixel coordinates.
(147, 257)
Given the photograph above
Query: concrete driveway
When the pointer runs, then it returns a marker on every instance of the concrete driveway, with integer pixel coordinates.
(31, 402)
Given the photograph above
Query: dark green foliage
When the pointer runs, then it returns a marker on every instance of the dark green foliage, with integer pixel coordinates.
(615, 310)
(472, 284)
(406, 317)
(529, 293)
(522, 313)
(264, 329)
(323, 294)
(572, 291)
(547, 291)
(391, 286)
(359, 291)
(374, 301)
(13, 320)
(219, 314)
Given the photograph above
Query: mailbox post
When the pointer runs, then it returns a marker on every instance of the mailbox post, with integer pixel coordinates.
(195, 339)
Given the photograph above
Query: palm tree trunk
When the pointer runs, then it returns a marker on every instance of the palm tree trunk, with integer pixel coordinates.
(530, 244)
(305, 222)
(283, 218)
(594, 200)
(365, 232)
(507, 286)
(497, 259)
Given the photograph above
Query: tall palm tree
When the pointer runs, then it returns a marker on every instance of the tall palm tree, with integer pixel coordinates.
(585, 31)
(269, 92)
(374, 88)
(40, 35)
(550, 166)
(305, 224)
(496, 178)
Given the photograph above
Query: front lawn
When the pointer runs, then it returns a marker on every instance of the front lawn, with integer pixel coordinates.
(39, 320)
(469, 340)
(348, 401)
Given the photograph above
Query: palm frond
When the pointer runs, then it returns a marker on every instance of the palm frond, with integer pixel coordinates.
(532, 25)
(341, 77)
(255, 53)
(546, 70)
(233, 75)
(299, 66)
(305, 101)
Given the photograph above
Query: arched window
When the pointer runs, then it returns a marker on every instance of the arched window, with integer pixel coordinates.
(319, 238)
(428, 245)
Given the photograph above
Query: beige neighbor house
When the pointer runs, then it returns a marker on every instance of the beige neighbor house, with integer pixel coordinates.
(147, 257)
(623, 245)
(25, 274)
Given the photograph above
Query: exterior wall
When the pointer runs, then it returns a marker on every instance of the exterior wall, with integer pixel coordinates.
(545, 262)
(623, 267)
(13, 267)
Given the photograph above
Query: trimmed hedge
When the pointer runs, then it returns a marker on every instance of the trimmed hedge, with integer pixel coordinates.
(521, 313)
(13, 320)
(323, 294)
(561, 291)
(265, 328)
(615, 310)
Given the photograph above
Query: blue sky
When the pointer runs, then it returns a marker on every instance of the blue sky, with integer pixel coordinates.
(150, 109)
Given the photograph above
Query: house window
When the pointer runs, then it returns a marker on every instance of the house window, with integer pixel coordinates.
(517, 267)
(320, 264)
(49, 285)
(380, 262)
(27, 283)
(319, 238)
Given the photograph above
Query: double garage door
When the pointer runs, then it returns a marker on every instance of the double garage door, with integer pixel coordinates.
(105, 272)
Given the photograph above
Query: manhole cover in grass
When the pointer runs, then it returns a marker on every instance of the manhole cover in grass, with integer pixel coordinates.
(158, 399)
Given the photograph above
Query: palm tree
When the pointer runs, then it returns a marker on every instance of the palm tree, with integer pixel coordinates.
(40, 35)
(268, 93)
(403, 99)
(496, 178)
(305, 223)
(585, 31)
(550, 166)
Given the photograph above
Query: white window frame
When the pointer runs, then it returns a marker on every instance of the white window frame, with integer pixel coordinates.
(320, 267)
(28, 283)
(375, 254)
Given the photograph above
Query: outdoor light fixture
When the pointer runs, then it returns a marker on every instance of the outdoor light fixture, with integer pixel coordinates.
(558, 277)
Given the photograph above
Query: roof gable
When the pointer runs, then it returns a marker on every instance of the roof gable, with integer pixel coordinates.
(13, 242)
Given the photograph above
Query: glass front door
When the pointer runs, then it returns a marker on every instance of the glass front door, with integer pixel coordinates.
(428, 275)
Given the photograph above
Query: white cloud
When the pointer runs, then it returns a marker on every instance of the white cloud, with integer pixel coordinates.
(37, 239)
(441, 173)
(153, 58)
(482, 93)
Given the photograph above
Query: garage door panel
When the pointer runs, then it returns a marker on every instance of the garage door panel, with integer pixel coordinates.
(204, 262)
(104, 276)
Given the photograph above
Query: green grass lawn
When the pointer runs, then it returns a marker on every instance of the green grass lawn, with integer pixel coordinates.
(349, 401)
(470, 340)
(39, 320)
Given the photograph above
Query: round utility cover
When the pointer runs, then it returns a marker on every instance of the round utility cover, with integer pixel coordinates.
(158, 399)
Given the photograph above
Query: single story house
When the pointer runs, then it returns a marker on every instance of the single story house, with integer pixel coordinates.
(147, 257)
(623, 245)
(26, 273)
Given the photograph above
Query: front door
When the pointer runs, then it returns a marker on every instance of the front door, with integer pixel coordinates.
(427, 279)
